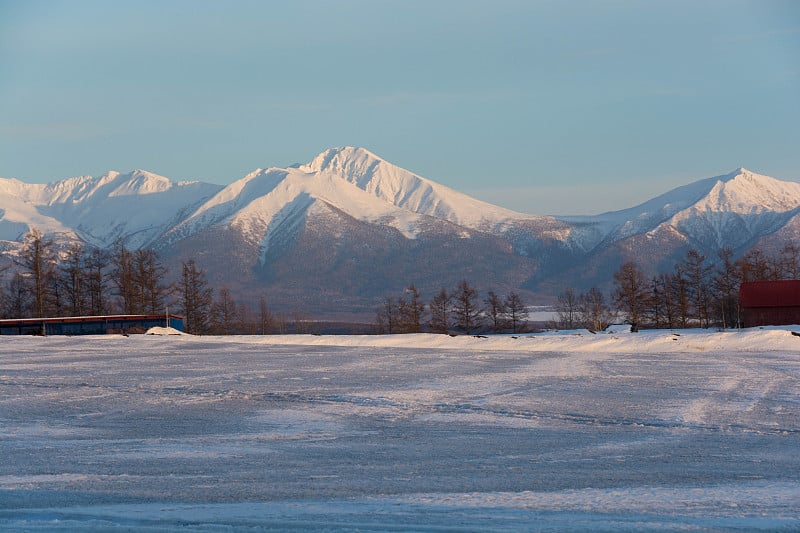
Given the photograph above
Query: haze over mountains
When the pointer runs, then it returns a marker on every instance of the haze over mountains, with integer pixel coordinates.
(335, 235)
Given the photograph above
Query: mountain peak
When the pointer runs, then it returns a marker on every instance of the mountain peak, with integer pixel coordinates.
(744, 177)
(145, 176)
(343, 158)
(741, 193)
(141, 182)
(742, 172)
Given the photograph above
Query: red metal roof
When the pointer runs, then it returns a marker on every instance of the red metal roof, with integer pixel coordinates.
(71, 319)
(781, 293)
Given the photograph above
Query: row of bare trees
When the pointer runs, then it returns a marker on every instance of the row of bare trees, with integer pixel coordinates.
(77, 281)
(80, 280)
(587, 310)
(699, 291)
(459, 310)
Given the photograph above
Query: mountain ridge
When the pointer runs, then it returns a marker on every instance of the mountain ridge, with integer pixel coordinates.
(409, 225)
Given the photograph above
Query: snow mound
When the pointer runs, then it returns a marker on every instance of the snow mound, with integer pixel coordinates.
(649, 341)
(161, 330)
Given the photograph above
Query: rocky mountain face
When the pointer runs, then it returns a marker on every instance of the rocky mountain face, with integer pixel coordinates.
(335, 235)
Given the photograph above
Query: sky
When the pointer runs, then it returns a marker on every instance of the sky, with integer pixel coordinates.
(545, 107)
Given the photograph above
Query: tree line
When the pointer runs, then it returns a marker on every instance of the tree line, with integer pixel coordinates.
(699, 291)
(81, 280)
(458, 310)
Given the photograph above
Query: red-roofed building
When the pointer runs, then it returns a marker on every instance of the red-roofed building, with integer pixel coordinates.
(770, 303)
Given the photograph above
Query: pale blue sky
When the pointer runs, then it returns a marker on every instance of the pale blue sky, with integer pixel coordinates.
(541, 106)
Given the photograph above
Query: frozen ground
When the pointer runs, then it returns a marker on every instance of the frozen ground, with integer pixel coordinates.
(694, 431)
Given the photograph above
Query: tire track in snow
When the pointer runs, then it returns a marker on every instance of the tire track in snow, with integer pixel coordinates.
(205, 394)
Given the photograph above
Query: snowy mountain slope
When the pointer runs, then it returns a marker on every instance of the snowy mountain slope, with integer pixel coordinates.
(739, 208)
(356, 182)
(222, 206)
(408, 191)
(138, 206)
(736, 210)
(331, 259)
(267, 203)
(19, 212)
(591, 231)
(731, 209)
(262, 200)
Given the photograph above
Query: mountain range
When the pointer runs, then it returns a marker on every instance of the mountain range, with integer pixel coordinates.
(333, 236)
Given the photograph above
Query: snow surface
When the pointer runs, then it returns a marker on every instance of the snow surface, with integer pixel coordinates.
(619, 431)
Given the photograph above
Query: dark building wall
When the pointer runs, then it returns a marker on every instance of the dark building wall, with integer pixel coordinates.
(770, 316)
(780, 293)
(99, 325)
(770, 303)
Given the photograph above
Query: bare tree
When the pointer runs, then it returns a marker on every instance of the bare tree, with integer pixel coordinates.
(18, 297)
(224, 311)
(55, 298)
(466, 312)
(37, 259)
(411, 311)
(96, 282)
(787, 264)
(149, 276)
(516, 312)
(401, 315)
(657, 300)
(755, 266)
(630, 292)
(697, 273)
(725, 283)
(495, 311)
(671, 300)
(245, 323)
(124, 278)
(567, 310)
(387, 316)
(195, 299)
(439, 308)
(266, 319)
(679, 288)
(72, 278)
(594, 312)
(281, 323)
(303, 322)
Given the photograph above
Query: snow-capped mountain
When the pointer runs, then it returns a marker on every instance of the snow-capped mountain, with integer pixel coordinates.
(728, 210)
(737, 210)
(741, 206)
(138, 207)
(349, 226)
(269, 204)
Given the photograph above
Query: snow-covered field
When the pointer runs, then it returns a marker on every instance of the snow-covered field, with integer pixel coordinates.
(688, 430)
